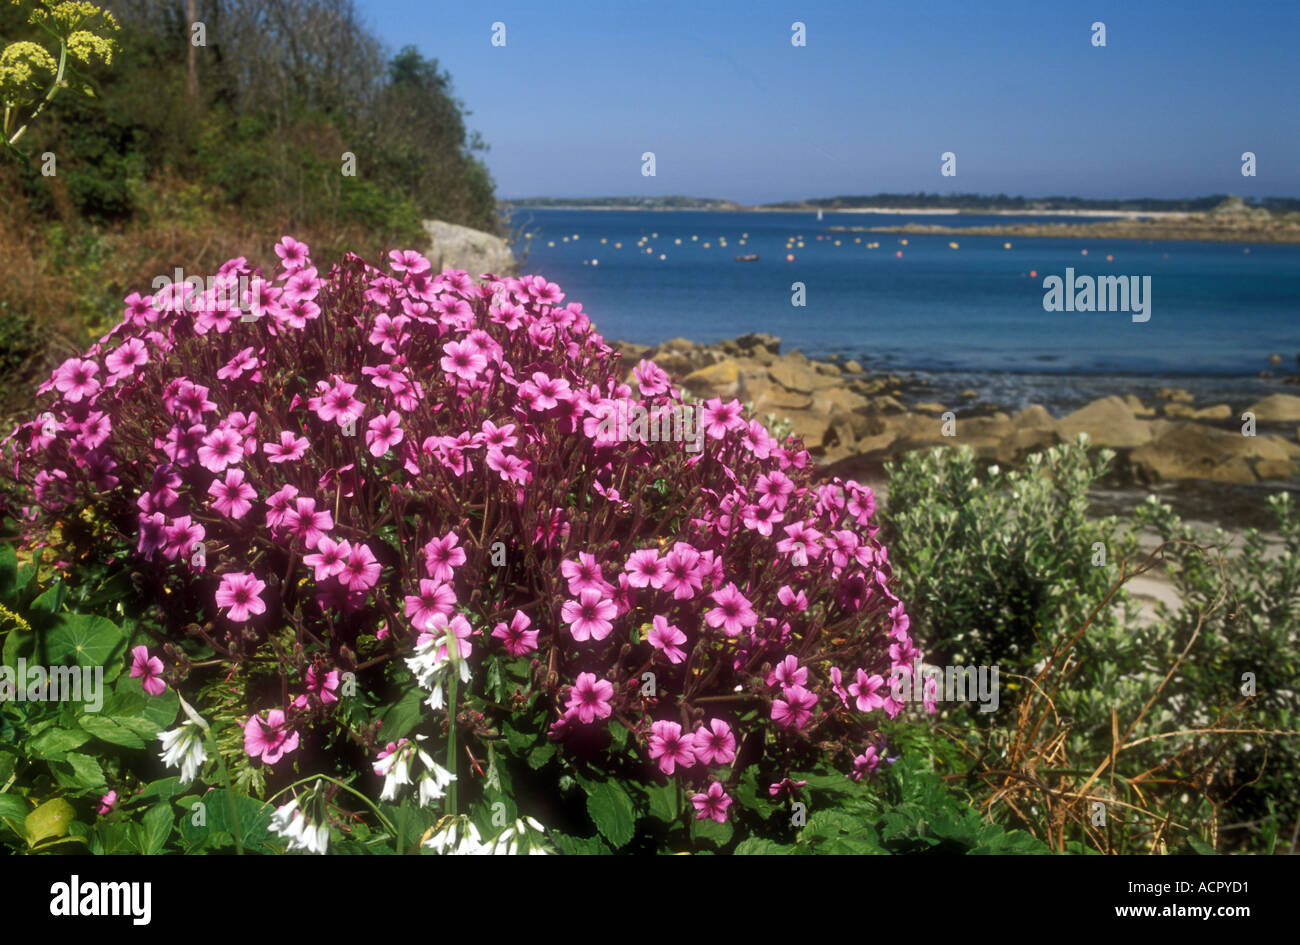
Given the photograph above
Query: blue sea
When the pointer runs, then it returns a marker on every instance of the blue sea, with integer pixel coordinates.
(969, 316)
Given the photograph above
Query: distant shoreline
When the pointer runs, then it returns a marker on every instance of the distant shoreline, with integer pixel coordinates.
(890, 211)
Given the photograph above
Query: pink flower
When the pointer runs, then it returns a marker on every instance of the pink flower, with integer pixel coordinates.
(671, 747)
(277, 506)
(584, 575)
(788, 672)
(442, 630)
(441, 557)
(322, 686)
(123, 361)
(543, 392)
(864, 691)
(75, 379)
(785, 785)
(289, 448)
(517, 638)
(383, 433)
(713, 803)
(463, 361)
(330, 558)
(269, 740)
(865, 763)
(221, 448)
(238, 365)
(305, 523)
(800, 544)
(589, 698)
(239, 595)
(232, 498)
(107, 803)
(361, 571)
(651, 378)
(717, 418)
(147, 668)
(715, 745)
(645, 569)
(795, 709)
(293, 255)
(733, 612)
(434, 598)
(589, 616)
(666, 638)
(336, 402)
(682, 571)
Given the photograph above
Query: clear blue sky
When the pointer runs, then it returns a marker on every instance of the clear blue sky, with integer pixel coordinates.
(731, 109)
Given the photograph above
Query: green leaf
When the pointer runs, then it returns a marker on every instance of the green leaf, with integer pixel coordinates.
(611, 810)
(164, 788)
(156, 828)
(51, 819)
(86, 770)
(50, 601)
(84, 640)
(577, 846)
(404, 715)
(53, 742)
(8, 570)
(13, 807)
(758, 846)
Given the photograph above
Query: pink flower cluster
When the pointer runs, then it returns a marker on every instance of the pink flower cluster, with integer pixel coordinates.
(402, 454)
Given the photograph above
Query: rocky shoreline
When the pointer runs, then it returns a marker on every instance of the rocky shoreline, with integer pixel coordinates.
(853, 421)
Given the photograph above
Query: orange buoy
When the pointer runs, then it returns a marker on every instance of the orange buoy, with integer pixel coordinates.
(789, 257)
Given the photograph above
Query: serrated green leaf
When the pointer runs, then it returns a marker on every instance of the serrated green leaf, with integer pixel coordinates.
(611, 810)
(156, 828)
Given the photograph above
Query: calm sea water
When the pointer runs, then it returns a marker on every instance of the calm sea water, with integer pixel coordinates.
(1217, 312)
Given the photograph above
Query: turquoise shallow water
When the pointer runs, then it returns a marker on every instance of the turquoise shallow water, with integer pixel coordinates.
(1216, 310)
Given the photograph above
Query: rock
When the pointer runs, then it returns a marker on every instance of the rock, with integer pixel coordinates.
(758, 341)
(825, 367)
(677, 344)
(631, 352)
(930, 407)
(1194, 451)
(716, 380)
(1175, 393)
(675, 364)
(1139, 409)
(1275, 469)
(843, 398)
(1034, 417)
(460, 247)
(853, 367)
(794, 375)
(767, 395)
(970, 395)
(1283, 408)
(832, 357)
(1108, 422)
(886, 404)
(1275, 359)
(1182, 411)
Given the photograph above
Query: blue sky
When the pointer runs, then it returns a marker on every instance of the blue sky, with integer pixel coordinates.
(731, 109)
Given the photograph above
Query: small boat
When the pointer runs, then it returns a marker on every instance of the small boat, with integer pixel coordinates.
(819, 216)
(749, 257)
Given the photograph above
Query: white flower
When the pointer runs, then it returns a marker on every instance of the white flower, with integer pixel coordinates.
(183, 748)
(283, 816)
(396, 771)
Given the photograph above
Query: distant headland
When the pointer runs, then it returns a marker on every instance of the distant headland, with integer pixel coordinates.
(1217, 218)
